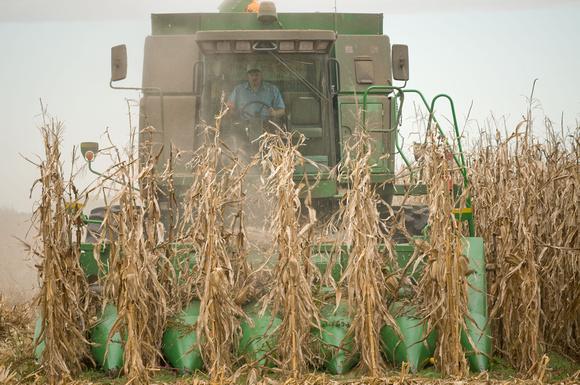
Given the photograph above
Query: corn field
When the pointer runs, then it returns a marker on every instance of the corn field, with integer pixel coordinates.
(167, 251)
(527, 201)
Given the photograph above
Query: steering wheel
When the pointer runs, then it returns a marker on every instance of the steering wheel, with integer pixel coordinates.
(246, 115)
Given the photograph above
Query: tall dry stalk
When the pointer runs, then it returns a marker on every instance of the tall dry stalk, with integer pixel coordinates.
(210, 203)
(133, 282)
(527, 196)
(13, 318)
(291, 292)
(172, 218)
(442, 290)
(516, 288)
(16, 338)
(63, 292)
(559, 244)
(364, 234)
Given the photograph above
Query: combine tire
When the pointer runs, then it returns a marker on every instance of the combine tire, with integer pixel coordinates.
(416, 218)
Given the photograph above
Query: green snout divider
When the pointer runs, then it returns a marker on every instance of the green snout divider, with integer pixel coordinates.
(478, 350)
(88, 262)
(38, 345)
(415, 347)
(321, 257)
(180, 345)
(259, 332)
(259, 335)
(337, 347)
(108, 353)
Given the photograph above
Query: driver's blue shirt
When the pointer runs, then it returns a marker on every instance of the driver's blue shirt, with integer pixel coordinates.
(267, 93)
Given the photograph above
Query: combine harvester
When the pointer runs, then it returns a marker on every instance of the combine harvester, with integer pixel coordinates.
(326, 65)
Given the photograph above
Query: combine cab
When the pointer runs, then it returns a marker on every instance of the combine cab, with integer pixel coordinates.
(326, 66)
(323, 64)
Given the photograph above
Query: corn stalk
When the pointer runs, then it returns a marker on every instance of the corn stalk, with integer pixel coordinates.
(134, 281)
(212, 200)
(63, 292)
(364, 234)
(526, 201)
(443, 287)
(291, 292)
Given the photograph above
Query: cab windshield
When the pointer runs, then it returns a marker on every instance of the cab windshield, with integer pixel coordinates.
(298, 78)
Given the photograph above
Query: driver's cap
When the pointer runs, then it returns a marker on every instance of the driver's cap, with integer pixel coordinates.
(253, 68)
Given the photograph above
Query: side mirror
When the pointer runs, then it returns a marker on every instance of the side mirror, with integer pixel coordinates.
(400, 62)
(89, 150)
(118, 62)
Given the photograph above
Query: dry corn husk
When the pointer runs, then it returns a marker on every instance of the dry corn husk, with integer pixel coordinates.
(63, 292)
(136, 263)
(291, 290)
(527, 201)
(363, 233)
(442, 289)
(213, 224)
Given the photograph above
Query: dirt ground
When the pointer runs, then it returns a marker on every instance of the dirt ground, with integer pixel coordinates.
(17, 272)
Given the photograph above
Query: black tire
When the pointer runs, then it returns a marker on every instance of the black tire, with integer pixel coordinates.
(416, 219)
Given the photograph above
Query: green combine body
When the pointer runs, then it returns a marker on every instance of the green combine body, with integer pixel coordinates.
(326, 66)
(321, 62)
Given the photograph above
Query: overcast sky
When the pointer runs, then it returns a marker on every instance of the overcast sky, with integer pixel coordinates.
(107, 10)
(483, 51)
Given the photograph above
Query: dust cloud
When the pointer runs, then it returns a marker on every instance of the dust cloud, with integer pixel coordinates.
(18, 281)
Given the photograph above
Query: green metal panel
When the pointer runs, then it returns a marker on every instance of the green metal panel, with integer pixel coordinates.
(38, 345)
(416, 189)
(416, 346)
(343, 23)
(337, 345)
(108, 353)
(91, 267)
(180, 345)
(325, 188)
(413, 330)
(321, 256)
(478, 326)
(259, 335)
(404, 252)
(88, 262)
(315, 164)
(364, 61)
(412, 345)
(377, 124)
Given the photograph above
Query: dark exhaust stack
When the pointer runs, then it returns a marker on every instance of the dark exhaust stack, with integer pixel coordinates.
(267, 13)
